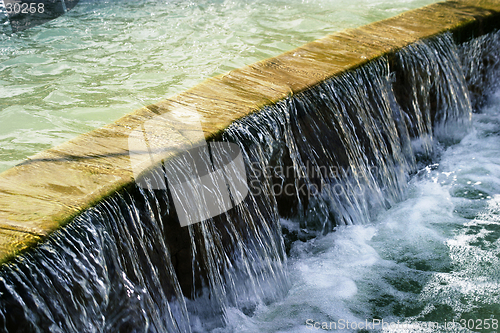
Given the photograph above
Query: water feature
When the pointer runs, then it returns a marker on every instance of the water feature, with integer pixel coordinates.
(335, 158)
(104, 59)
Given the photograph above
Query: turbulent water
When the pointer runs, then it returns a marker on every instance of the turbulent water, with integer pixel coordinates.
(429, 263)
(373, 202)
(429, 260)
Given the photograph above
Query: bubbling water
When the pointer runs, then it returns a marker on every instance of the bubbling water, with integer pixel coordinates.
(429, 263)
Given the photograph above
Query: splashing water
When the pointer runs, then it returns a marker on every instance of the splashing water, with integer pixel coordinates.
(335, 158)
(429, 261)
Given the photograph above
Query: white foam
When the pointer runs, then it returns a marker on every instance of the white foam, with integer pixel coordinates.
(429, 255)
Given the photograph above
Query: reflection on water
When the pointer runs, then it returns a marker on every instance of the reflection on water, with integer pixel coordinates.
(104, 59)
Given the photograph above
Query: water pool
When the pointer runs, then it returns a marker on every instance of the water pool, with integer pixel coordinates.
(104, 59)
(431, 258)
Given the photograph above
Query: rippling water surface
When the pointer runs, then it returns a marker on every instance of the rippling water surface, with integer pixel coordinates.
(104, 59)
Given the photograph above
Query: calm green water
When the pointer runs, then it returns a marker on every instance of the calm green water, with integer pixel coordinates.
(106, 58)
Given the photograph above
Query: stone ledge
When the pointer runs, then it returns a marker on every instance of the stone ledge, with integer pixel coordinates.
(48, 190)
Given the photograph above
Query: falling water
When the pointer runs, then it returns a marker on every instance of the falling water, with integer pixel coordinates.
(339, 154)
(348, 146)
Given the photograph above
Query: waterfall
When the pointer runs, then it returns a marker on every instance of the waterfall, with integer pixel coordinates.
(358, 137)
(336, 154)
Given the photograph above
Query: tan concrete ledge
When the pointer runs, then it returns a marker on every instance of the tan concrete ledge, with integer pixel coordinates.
(51, 188)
